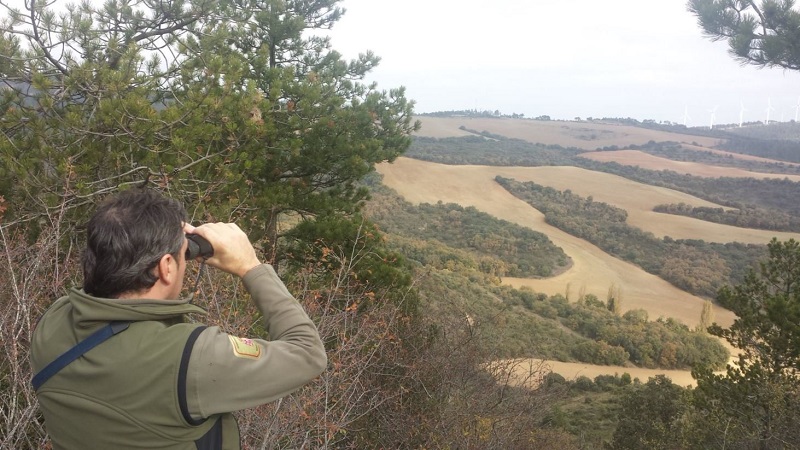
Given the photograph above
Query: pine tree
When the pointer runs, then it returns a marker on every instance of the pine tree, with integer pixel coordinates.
(765, 33)
(240, 108)
(755, 403)
(650, 416)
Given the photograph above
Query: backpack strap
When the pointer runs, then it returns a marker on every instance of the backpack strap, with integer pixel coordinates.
(97, 338)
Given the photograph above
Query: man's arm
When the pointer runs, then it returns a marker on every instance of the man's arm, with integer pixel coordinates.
(228, 373)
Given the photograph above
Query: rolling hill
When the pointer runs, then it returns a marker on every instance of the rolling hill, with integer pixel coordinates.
(593, 270)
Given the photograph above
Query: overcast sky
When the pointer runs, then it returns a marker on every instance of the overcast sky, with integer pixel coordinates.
(562, 58)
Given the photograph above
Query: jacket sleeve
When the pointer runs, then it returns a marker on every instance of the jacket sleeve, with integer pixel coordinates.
(228, 373)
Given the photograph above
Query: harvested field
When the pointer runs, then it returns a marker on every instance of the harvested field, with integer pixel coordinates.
(572, 371)
(650, 162)
(585, 135)
(739, 156)
(593, 270)
(575, 370)
(639, 200)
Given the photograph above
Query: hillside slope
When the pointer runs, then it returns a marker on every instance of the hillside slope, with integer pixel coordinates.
(593, 270)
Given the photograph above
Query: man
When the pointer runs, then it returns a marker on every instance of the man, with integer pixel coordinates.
(157, 381)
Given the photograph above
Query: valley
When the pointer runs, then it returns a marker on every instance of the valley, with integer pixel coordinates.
(593, 270)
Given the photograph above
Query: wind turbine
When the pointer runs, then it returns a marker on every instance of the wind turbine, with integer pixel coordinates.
(686, 115)
(796, 109)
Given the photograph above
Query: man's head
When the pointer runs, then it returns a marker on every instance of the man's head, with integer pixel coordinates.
(133, 240)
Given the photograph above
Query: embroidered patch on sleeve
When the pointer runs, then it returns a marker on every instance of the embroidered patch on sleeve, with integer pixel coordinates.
(245, 348)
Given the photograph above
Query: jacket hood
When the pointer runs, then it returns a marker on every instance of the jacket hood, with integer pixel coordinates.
(87, 310)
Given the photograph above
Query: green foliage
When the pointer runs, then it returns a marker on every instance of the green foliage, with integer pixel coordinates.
(488, 149)
(589, 408)
(354, 247)
(754, 404)
(770, 194)
(241, 110)
(785, 149)
(500, 248)
(238, 108)
(508, 331)
(767, 306)
(631, 338)
(650, 416)
(526, 324)
(703, 418)
(765, 143)
(746, 407)
(463, 395)
(783, 134)
(765, 34)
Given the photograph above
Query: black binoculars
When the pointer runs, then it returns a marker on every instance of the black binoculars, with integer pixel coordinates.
(198, 246)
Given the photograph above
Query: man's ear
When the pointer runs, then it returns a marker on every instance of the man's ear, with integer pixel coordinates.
(166, 271)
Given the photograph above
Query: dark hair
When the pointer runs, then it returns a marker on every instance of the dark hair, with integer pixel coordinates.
(125, 239)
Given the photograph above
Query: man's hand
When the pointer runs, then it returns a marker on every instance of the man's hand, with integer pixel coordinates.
(233, 252)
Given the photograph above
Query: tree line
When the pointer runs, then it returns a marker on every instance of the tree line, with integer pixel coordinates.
(745, 217)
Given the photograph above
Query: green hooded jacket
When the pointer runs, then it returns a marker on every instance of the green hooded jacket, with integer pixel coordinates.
(165, 383)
